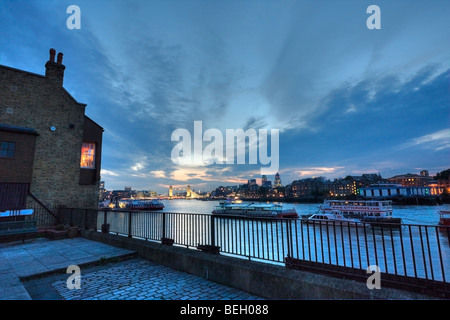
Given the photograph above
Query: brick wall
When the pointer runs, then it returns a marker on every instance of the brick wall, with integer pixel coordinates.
(20, 168)
(41, 103)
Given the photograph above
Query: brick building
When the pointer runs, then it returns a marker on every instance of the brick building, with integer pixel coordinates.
(412, 180)
(50, 151)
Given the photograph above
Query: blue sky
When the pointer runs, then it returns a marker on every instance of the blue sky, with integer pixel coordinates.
(346, 99)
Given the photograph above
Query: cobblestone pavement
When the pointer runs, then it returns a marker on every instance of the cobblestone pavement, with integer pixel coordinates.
(139, 279)
(40, 256)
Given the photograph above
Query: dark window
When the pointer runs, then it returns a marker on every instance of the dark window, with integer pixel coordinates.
(7, 149)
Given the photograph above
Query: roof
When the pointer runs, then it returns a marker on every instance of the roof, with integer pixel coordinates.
(408, 175)
(95, 123)
(43, 77)
(17, 129)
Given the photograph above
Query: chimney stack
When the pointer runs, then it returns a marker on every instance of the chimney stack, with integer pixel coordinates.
(54, 71)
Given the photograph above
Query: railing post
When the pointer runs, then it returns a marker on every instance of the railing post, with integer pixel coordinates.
(105, 225)
(288, 237)
(163, 225)
(164, 240)
(210, 248)
(129, 224)
(213, 230)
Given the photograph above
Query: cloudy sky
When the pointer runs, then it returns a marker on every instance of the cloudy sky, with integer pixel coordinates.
(345, 99)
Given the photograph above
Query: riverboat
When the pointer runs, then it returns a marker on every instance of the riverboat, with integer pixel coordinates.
(368, 211)
(144, 205)
(267, 210)
(444, 217)
(331, 217)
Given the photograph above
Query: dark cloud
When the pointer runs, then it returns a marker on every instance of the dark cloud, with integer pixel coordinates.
(369, 121)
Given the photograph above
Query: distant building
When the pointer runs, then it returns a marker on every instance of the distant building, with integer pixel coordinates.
(277, 181)
(396, 190)
(265, 183)
(128, 189)
(412, 180)
(306, 187)
(319, 186)
(188, 191)
(424, 173)
(102, 191)
(50, 151)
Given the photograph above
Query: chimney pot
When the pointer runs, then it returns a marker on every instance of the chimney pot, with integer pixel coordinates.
(52, 55)
(60, 58)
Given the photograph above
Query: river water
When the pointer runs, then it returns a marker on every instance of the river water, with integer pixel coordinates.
(424, 215)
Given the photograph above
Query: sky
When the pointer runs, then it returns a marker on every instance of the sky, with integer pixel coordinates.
(344, 99)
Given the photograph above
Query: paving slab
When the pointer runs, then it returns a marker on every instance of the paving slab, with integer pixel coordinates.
(42, 256)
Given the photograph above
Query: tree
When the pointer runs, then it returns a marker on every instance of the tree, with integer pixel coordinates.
(443, 175)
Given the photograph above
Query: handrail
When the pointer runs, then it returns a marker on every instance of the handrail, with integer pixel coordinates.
(44, 206)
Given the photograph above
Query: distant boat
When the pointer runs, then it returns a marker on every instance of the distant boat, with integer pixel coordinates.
(375, 212)
(331, 217)
(153, 204)
(268, 210)
(444, 217)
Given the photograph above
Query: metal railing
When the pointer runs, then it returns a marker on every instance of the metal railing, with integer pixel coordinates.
(406, 252)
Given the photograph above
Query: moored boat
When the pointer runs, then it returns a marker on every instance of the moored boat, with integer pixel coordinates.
(375, 212)
(152, 204)
(269, 210)
(332, 217)
(444, 217)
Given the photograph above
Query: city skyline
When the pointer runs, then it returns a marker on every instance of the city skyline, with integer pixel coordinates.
(347, 100)
(263, 180)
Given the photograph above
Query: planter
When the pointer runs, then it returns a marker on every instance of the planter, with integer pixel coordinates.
(105, 228)
(72, 232)
(167, 241)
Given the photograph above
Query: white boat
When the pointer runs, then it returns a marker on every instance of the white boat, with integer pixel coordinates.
(268, 210)
(332, 217)
(444, 217)
(134, 204)
(369, 211)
